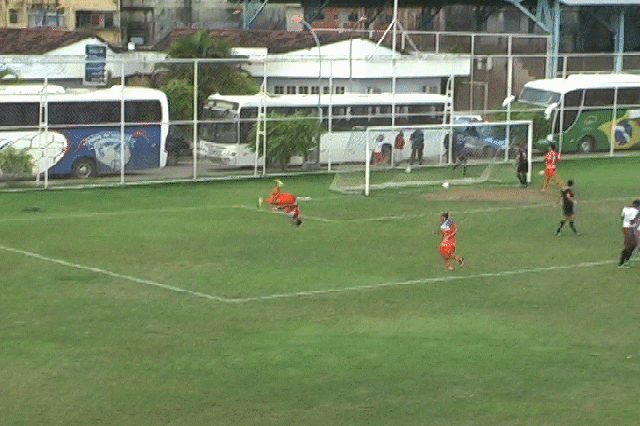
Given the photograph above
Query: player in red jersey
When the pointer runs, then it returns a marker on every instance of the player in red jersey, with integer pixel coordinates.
(550, 165)
(283, 201)
(448, 230)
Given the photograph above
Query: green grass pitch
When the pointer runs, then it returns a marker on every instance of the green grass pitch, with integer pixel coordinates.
(182, 304)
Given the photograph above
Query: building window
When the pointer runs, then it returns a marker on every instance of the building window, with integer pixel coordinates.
(278, 90)
(38, 17)
(14, 16)
(325, 90)
(94, 19)
(315, 90)
(291, 90)
(339, 90)
(303, 90)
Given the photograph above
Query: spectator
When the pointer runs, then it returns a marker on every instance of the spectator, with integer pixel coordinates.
(417, 146)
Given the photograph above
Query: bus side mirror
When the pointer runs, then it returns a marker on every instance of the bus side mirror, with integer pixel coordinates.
(549, 110)
(508, 100)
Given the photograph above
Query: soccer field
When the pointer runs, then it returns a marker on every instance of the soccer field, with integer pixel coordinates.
(183, 304)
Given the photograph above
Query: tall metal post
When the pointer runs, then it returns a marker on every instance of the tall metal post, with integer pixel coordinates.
(195, 119)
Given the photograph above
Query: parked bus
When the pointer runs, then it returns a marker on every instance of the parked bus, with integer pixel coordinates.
(80, 132)
(227, 122)
(586, 113)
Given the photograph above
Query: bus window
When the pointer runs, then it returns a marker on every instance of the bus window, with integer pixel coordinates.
(339, 118)
(538, 97)
(83, 113)
(380, 115)
(598, 97)
(425, 114)
(572, 102)
(402, 114)
(629, 96)
(359, 115)
(19, 114)
(248, 118)
(142, 112)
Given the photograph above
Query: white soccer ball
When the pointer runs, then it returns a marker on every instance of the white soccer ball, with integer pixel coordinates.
(445, 185)
(408, 169)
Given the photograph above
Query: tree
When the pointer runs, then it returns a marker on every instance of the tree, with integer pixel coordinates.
(288, 136)
(213, 77)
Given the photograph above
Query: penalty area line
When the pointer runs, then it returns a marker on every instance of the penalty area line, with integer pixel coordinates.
(307, 293)
(119, 276)
(428, 281)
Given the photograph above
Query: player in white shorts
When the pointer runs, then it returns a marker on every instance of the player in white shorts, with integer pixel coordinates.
(630, 217)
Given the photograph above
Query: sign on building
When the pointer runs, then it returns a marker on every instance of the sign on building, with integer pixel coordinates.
(95, 65)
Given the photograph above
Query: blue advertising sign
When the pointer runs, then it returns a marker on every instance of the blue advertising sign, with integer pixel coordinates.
(95, 65)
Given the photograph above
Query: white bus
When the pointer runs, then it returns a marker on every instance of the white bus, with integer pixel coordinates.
(80, 132)
(585, 112)
(227, 121)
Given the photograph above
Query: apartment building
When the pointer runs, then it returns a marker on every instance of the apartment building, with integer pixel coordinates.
(101, 17)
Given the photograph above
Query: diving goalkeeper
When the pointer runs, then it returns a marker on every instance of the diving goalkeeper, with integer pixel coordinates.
(283, 201)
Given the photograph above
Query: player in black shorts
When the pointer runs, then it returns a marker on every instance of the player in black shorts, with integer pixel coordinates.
(522, 164)
(568, 207)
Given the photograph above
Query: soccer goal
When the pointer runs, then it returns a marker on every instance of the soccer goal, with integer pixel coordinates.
(459, 153)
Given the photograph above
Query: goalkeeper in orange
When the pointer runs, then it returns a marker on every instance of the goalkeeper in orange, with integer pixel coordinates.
(283, 201)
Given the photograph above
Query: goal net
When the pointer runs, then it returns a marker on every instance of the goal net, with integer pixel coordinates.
(460, 153)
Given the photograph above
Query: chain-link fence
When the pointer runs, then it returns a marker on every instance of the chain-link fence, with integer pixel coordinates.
(88, 124)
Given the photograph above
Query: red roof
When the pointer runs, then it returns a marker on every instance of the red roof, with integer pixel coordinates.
(274, 41)
(36, 41)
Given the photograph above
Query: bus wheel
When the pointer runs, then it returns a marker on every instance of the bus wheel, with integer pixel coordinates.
(587, 144)
(84, 168)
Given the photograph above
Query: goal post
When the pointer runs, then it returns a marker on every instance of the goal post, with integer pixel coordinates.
(458, 153)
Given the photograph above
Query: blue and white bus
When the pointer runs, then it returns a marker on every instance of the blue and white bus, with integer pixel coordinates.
(84, 132)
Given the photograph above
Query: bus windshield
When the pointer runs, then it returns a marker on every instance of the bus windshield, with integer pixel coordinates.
(219, 124)
(535, 96)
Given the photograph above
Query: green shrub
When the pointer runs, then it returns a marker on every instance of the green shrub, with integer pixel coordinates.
(288, 136)
(15, 163)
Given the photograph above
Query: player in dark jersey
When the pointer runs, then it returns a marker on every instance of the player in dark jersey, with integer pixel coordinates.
(568, 199)
(522, 166)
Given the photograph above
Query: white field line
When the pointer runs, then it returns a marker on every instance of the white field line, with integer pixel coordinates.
(307, 293)
(35, 216)
(116, 275)
(457, 212)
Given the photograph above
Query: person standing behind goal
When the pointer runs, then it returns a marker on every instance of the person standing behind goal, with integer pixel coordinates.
(522, 166)
(417, 146)
(630, 217)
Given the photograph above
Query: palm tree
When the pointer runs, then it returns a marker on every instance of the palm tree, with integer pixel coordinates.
(213, 76)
